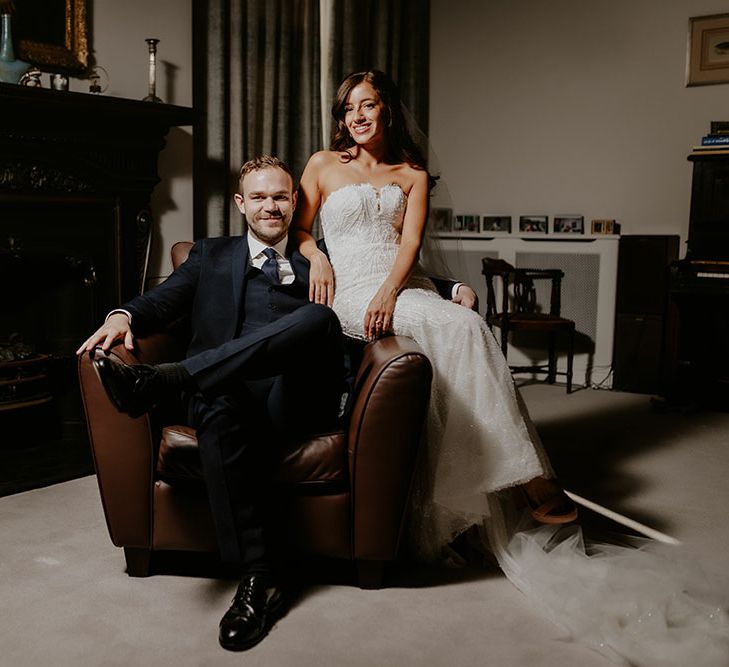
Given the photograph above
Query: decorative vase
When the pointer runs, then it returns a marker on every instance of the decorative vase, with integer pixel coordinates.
(10, 69)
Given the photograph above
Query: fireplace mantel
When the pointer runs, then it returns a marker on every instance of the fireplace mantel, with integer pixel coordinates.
(78, 148)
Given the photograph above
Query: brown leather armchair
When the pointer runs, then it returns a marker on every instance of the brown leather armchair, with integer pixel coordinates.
(345, 493)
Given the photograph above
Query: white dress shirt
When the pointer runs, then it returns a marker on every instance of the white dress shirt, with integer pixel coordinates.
(256, 248)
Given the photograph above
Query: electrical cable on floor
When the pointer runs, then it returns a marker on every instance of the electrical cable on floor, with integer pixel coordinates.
(599, 385)
(623, 520)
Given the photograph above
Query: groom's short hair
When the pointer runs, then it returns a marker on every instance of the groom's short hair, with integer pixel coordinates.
(262, 162)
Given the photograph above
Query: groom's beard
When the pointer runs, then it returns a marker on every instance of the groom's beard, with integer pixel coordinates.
(268, 228)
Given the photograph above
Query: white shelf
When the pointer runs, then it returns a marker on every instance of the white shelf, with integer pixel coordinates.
(531, 236)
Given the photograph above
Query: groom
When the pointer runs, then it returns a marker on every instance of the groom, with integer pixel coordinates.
(258, 347)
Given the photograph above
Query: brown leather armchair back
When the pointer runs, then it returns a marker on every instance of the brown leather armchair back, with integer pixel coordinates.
(345, 492)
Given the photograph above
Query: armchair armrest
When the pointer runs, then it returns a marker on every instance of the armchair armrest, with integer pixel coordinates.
(123, 448)
(388, 415)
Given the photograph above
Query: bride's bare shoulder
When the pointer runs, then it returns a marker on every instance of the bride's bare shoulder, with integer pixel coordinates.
(323, 159)
(413, 176)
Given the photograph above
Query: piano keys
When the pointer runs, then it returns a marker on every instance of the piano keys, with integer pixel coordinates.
(688, 276)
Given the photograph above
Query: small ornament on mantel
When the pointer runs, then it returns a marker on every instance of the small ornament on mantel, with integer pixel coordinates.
(59, 81)
(31, 79)
(152, 91)
(98, 80)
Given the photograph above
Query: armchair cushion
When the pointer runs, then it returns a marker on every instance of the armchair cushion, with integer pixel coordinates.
(178, 461)
(318, 465)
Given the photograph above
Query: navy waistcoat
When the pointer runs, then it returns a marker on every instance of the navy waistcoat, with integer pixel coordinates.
(265, 302)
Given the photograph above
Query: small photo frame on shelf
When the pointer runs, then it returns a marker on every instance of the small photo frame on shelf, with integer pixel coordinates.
(708, 50)
(467, 223)
(441, 220)
(496, 224)
(600, 227)
(568, 224)
(537, 224)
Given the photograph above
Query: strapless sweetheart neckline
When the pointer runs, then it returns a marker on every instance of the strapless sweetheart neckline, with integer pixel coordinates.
(375, 190)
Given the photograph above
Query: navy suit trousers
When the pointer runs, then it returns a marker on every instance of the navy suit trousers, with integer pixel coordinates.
(273, 384)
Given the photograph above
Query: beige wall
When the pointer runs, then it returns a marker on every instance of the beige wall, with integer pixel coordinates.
(569, 106)
(560, 106)
(118, 31)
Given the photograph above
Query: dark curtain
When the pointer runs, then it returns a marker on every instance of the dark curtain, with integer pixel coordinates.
(257, 82)
(389, 35)
(256, 78)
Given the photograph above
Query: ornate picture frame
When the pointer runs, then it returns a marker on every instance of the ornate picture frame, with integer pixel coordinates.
(52, 34)
(708, 50)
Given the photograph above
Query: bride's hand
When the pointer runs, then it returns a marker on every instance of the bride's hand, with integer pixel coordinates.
(378, 318)
(321, 280)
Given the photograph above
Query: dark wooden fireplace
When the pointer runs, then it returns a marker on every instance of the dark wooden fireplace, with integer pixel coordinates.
(76, 175)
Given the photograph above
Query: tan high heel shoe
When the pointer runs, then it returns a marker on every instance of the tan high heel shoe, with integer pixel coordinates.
(557, 509)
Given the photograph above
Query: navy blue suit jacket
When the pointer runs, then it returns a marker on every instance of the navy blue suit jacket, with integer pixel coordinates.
(208, 289)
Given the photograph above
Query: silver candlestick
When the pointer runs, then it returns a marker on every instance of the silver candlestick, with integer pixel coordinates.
(152, 96)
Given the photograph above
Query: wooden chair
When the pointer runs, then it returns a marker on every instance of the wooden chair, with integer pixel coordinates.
(520, 312)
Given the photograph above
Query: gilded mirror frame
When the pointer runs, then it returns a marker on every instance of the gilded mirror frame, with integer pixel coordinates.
(70, 56)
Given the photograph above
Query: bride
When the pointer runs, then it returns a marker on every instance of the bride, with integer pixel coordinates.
(371, 192)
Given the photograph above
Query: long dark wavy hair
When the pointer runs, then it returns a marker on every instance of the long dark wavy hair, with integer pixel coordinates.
(399, 144)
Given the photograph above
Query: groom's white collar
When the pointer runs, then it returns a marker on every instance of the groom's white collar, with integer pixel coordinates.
(256, 247)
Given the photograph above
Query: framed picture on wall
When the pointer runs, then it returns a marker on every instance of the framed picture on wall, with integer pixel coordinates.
(708, 51)
(568, 224)
(496, 225)
(536, 224)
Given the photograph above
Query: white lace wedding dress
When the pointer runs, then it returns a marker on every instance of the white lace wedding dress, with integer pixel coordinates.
(479, 440)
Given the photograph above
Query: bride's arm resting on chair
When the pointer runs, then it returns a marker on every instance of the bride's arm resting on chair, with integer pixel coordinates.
(309, 200)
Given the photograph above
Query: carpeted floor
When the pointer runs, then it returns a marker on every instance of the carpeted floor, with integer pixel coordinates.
(67, 601)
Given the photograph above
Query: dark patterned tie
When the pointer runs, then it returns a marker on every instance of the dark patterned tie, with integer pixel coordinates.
(270, 266)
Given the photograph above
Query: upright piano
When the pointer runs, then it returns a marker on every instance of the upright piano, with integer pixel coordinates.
(699, 289)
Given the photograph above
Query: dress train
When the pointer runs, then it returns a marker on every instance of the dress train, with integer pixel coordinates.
(648, 604)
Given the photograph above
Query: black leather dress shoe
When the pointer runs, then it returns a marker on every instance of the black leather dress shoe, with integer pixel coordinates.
(256, 606)
(132, 389)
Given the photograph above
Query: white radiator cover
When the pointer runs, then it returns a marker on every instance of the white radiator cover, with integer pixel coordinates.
(590, 266)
